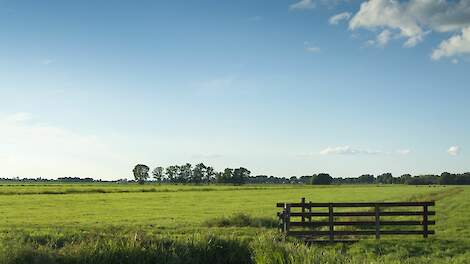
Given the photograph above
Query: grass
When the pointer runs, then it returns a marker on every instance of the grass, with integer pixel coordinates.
(241, 220)
(208, 224)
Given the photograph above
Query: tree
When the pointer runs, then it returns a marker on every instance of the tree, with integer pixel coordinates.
(322, 179)
(447, 178)
(404, 178)
(293, 179)
(185, 173)
(209, 175)
(141, 173)
(305, 179)
(171, 173)
(198, 173)
(158, 174)
(219, 177)
(226, 176)
(366, 178)
(385, 178)
(240, 175)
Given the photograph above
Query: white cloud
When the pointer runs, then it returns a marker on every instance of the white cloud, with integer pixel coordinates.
(334, 20)
(384, 37)
(46, 61)
(18, 117)
(403, 152)
(302, 5)
(312, 49)
(347, 150)
(456, 45)
(386, 14)
(414, 19)
(216, 84)
(381, 40)
(454, 151)
(32, 149)
(370, 42)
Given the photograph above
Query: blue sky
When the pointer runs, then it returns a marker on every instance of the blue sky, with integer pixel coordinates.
(89, 88)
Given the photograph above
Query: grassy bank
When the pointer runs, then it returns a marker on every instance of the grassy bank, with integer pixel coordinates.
(265, 247)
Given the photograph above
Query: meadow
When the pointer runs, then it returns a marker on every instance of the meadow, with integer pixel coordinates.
(127, 223)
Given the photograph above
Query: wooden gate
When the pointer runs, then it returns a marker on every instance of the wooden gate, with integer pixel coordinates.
(336, 222)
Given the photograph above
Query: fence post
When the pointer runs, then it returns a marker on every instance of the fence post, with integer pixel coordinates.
(286, 218)
(302, 201)
(310, 212)
(330, 222)
(425, 221)
(377, 221)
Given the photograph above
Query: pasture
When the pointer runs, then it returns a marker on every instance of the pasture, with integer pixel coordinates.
(126, 223)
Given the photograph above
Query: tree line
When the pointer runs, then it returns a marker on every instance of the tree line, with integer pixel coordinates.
(445, 178)
(201, 173)
(187, 173)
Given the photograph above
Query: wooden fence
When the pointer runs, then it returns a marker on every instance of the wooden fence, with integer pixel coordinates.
(316, 222)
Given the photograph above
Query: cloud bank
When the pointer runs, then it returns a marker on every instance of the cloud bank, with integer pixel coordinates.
(456, 45)
(412, 20)
(347, 150)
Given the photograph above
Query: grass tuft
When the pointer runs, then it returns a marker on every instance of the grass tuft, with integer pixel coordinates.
(241, 220)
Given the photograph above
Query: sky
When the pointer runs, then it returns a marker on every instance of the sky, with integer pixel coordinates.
(283, 88)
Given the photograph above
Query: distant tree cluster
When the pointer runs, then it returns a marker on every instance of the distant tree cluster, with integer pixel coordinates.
(428, 179)
(187, 173)
(75, 179)
(202, 174)
(45, 180)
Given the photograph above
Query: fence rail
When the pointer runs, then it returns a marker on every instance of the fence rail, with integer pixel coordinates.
(298, 219)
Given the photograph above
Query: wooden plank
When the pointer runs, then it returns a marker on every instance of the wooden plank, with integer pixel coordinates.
(405, 213)
(302, 201)
(360, 223)
(308, 214)
(362, 204)
(359, 232)
(397, 213)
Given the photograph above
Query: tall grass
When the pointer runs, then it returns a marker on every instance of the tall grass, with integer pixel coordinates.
(265, 248)
(241, 220)
(133, 248)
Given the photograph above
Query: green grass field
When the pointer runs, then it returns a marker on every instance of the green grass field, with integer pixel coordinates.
(111, 223)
